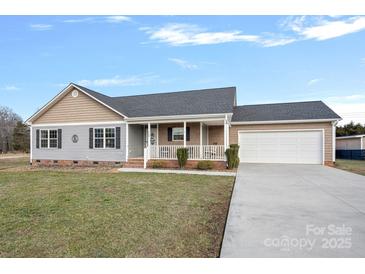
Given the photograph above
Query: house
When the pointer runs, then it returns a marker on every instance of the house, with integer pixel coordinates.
(350, 147)
(83, 127)
(353, 142)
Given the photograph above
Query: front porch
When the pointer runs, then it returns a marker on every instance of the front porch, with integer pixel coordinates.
(205, 140)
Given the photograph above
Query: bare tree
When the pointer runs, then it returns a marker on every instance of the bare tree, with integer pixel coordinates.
(8, 121)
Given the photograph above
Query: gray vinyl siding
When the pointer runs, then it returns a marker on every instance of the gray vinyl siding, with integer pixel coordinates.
(80, 150)
(135, 141)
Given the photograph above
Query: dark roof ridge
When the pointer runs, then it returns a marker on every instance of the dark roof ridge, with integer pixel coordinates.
(87, 89)
(296, 102)
(173, 92)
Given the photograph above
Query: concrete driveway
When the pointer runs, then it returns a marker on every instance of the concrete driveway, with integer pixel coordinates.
(280, 210)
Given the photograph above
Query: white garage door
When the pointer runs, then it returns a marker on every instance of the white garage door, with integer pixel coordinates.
(297, 147)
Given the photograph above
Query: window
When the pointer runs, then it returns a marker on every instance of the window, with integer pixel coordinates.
(53, 138)
(99, 138)
(110, 137)
(44, 138)
(178, 134)
(49, 138)
(104, 138)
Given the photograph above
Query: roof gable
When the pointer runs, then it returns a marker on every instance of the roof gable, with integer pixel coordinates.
(60, 96)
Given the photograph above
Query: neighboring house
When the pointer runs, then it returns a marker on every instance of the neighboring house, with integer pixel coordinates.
(81, 126)
(353, 142)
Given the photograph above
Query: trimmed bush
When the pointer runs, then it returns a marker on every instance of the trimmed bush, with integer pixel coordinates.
(232, 156)
(182, 156)
(205, 165)
(157, 164)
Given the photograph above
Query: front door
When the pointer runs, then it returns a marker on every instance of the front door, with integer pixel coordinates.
(153, 136)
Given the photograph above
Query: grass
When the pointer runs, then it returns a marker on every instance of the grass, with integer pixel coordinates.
(355, 166)
(46, 213)
(11, 163)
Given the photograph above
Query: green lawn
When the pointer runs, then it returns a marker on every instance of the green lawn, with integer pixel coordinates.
(79, 214)
(354, 166)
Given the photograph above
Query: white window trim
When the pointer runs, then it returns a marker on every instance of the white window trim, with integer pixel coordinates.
(104, 138)
(48, 139)
(172, 134)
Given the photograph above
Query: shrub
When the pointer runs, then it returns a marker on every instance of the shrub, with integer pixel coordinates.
(205, 165)
(182, 156)
(232, 156)
(157, 164)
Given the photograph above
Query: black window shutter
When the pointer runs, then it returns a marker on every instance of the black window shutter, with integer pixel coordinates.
(59, 135)
(169, 134)
(37, 138)
(187, 133)
(91, 137)
(117, 137)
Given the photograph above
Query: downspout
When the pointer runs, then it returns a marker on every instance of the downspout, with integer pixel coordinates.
(334, 124)
(31, 144)
(126, 141)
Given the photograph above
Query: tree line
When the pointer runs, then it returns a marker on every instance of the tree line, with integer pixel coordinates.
(350, 129)
(14, 134)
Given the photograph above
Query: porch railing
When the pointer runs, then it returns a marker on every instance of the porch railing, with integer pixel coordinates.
(195, 152)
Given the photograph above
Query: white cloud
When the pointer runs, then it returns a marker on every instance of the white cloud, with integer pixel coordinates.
(349, 111)
(117, 19)
(353, 97)
(192, 35)
(183, 63)
(10, 88)
(321, 29)
(79, 20)
(274, 42)
(349, 107)
(292, 29)
(313, 82)
(187, 34)
(107, 19)
(134, 80)
(41, 27)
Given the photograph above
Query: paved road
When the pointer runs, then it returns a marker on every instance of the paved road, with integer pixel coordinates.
(282, 210)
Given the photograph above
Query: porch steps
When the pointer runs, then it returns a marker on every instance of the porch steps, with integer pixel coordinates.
(134, 163)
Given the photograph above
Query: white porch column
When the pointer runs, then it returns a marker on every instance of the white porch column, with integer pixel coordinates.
(126, 141)
(149, 141)
(149, 135)
(225, 133)
(201, 141)
(157, 131)
(184, 133)
(228, 126)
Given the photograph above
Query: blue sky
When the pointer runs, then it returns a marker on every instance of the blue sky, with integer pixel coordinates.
(268, 58)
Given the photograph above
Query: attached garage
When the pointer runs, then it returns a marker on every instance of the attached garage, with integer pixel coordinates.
(281, 146)
(295, 133)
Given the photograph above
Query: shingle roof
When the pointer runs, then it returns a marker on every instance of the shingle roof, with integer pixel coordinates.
(283, 111)
(203, 101)
(210, 101)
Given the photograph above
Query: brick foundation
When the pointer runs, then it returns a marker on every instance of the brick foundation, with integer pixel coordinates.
(74, 163)
(329, 163)
(191, 164)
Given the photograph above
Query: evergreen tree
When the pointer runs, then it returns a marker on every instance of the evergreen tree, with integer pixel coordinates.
(350, 129)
